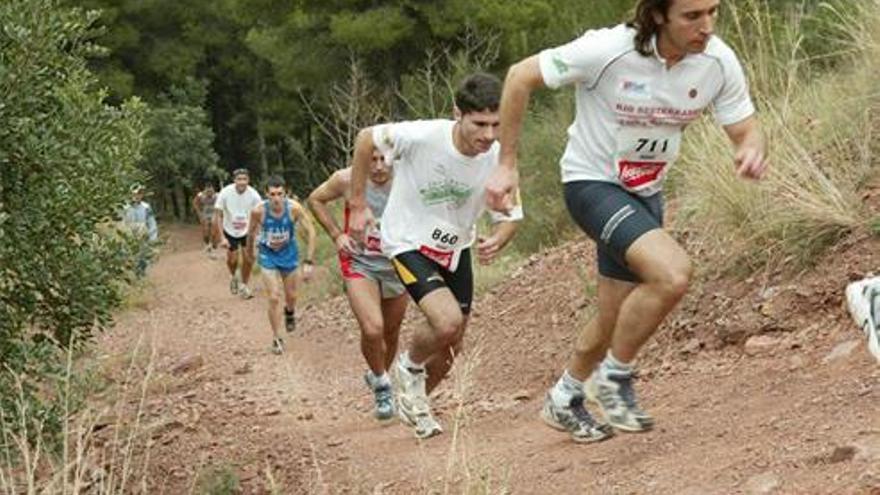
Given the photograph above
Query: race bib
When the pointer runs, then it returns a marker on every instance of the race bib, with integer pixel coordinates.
(373, 243)
(441, 242)
(643, 155)
(239, 222)
(277, 240)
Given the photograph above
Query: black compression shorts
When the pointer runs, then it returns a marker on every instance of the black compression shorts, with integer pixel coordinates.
(421, 276)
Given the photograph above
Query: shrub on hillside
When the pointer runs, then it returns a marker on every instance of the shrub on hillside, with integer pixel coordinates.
(66, 161)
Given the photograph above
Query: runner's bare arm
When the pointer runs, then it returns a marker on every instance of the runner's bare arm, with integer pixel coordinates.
(195, 205)
(331, 190)
(361, 216)
(522, 79)
(489, 247)
(750, 156)
(299, 214)
(254, 225)
(218, 227)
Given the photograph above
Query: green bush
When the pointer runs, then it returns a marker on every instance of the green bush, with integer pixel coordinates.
(66, 161)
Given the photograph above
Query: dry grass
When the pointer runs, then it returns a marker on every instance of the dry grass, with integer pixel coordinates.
(820, 131)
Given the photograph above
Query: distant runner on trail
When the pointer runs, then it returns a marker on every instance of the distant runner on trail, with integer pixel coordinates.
(203, 206)
(429, 227)
(638, 86)
(274, 223)
(138, 216)
(375, 294)
(231, 216)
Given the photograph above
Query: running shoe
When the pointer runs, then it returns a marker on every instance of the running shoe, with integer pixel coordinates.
(863, 301)
(613, 392)
(277, 346)
(575, 419)
(412, 403)
(233, 285)
(245, 292)
(289, 322)
(384, 399)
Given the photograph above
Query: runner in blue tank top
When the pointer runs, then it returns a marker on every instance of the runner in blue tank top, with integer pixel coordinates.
(276, 220)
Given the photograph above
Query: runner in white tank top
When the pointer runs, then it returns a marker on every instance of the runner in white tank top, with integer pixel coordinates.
(440, 169)
(637, 87)
(375, 294)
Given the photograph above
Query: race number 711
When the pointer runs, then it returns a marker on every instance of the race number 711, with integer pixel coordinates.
(644, 142)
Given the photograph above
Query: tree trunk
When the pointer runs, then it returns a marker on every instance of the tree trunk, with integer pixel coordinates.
(261, 150)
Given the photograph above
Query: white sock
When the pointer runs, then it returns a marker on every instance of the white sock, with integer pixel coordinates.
(612, 364)
(380, 380)
(407, 363)
(566, 388)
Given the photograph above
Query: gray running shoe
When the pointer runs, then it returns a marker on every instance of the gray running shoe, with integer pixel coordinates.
(614, 394)
(245, 292)
(412, 403)
(277, 346)
(575, 419)
(384, 398)
(233, 285)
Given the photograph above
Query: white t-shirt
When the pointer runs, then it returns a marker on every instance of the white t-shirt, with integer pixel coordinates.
(237, 208)
(437, 194)
(631, 109)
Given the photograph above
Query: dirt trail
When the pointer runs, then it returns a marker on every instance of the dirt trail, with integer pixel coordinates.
(779, 414)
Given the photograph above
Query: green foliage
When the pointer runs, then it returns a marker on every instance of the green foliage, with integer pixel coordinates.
(219, 480)
(66, 161)
(179, 155)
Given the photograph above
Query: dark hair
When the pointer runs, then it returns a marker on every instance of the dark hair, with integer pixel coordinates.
(241, 171)
(645, 25)
(478, 92)
(274, 181)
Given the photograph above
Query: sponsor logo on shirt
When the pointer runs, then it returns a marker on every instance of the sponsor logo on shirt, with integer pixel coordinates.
(634, 174)
(635, 89)
(561, 66)
(447, 191)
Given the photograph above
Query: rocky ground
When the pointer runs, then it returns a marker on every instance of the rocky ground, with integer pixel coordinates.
(758, 386)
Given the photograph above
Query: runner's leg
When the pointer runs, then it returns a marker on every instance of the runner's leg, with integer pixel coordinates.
(247, 261)
(595, 338)
(393, 311)
(274, 288)
(440, 362)
(665, 271)
(365, 300)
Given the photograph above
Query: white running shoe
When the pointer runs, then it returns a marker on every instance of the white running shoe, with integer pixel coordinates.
(245, 292)
(614, 394)
(277, 346)
(863, 301)
(233, 285)
(412, 403)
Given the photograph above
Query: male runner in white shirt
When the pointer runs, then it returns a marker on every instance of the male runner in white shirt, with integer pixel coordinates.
(429, 227)
(232, 213)
(637, 87)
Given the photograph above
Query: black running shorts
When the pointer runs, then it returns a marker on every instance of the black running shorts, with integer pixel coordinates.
(614, 218)
(421, 276)
(235, 242)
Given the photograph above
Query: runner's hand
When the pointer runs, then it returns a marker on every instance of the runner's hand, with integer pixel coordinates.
(750, 163)
(307, 271)
(500, 187)
(487, 249)
(360, 221)
(345, 244)
(224, 243)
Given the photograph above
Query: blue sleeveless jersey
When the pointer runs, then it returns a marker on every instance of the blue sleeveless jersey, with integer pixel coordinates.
(278, 250)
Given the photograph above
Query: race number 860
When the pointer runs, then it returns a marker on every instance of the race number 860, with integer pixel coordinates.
(444, 237)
